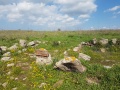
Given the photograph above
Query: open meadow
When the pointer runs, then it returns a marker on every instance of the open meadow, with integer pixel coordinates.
(22, 72)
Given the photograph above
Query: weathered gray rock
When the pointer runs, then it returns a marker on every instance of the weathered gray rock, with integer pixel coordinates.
(93, 80)
(5, 84)
(6, 59)
(7, 54)
(84, 56)
(76, 49)
(102, 50)
(14, 47)
(32, 43)
(10, 65)
(70, 64)
(104, 41)
(114, 40)
(43, 57)
(22, 43)
(42, 85)
(107, 67)
(4, 48)
(94, 41)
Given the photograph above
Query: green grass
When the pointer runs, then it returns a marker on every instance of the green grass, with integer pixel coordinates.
(26, 75)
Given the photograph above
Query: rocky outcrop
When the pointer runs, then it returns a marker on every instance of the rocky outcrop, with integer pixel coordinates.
(70, 64)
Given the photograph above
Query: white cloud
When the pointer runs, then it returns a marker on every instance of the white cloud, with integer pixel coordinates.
(60, 13)
(114, 8)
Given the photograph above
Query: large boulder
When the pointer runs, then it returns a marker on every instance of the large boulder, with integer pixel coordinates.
(43, 57)
(70, 64)
(84, 56)
(22, 43)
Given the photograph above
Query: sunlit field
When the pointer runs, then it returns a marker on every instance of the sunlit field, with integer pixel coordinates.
(25, 74)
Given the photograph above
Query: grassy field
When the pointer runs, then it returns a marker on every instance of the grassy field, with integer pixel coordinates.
(26, 75)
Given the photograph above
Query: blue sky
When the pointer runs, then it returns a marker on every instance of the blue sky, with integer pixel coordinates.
(63, 14)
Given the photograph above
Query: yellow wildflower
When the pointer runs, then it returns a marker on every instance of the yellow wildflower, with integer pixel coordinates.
(42, 49)
(73, 58)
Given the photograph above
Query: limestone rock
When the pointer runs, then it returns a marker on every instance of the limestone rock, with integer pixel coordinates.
(6, 58)
(5, 84)
(4, 48)
(114, 40)
(94, 41)
(43, 57)
(32, 43)
(70, 64)
(102, 50)
(41, 85)
(22, 43)
(10, 65)
(14, 47)
(76, 49)
(104, 41)
(7, 54)
(84, 56)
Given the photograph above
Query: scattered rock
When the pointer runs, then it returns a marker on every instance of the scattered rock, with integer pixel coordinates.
(107, 67)
(42, 85)
(5, 84)
(8, 73)
(94, 41)
(14, 88)
(70, 64)
(102, 50)
(58, 84)
(23, 50)
(6, 59)
(104, 41)
(84, 56)
(92, 80)
(10, 65)
(32, 43)
(19, 51)
(14, 47)
(76, 49)
(7, 54)
(43, 57)
(114, 40)
(22, 43)
(4, 48)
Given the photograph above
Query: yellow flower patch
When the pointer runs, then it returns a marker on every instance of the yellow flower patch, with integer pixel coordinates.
(73, 58)
(42, 49)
